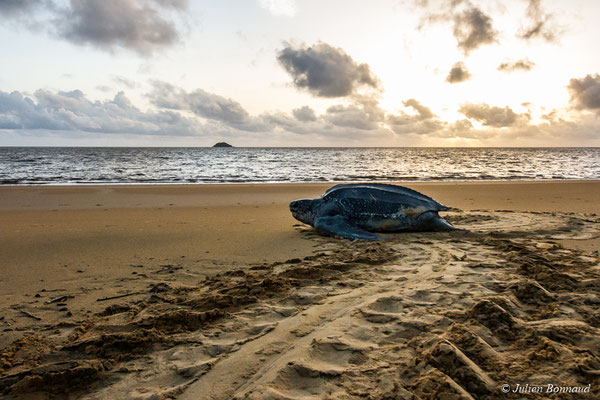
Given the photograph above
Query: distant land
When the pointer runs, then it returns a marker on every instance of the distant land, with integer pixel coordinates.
(222, 144)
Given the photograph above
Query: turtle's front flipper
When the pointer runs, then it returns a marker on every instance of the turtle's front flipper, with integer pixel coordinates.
(338, 225)
(431, 221)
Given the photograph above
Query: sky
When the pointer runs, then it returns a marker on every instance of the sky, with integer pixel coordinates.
(299, 73)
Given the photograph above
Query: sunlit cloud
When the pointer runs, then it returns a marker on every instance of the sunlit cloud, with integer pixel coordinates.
(492, 116)
(285, 8)
(421, 123)
(520, 65)
(585, 92)
(458, 73)
(473, 28)
(541, 23)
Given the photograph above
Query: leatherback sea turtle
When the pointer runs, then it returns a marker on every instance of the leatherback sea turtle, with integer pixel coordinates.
(356, 210)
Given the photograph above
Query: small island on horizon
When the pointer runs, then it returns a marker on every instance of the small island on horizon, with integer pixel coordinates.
(222, 144)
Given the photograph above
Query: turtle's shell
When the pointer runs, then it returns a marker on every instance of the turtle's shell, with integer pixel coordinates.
(381, 198)
(380, 207)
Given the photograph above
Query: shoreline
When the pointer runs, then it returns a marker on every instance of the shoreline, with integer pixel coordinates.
(527, 195)
(233, 183)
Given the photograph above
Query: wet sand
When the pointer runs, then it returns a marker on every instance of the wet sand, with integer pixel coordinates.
(216, 292)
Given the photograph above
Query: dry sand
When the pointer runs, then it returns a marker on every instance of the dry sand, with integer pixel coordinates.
(220, 294)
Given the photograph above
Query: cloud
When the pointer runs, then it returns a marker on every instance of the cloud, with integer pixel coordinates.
(351, 116)
(282, 122)
(541, 24)
(550, 117)
(362, 119)
(472, 29)
(492, 116)
(204, 104)
(519, 65)
(138, 25)
(143, 26)
(304, 114)
(585, 92)
(458, 73)
(351, 123)
(326, 71)
(187, 117)
(423, 112)
(423, 122)
(122, 81)
(176, 4)
(285, 8)
(181, 113)
(582, 130)
(461, 126)
(16, 7)
(72, 111)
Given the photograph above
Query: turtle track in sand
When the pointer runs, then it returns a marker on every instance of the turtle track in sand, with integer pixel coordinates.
(420, 316)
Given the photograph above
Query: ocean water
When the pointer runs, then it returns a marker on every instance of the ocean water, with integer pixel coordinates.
(77, 165)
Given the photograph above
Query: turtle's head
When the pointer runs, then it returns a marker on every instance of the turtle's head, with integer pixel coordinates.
(303, 210)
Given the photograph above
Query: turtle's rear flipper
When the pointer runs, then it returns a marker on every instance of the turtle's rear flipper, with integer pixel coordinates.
(340, 226)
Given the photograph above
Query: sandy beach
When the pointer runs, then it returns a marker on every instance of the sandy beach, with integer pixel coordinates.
(216, 292)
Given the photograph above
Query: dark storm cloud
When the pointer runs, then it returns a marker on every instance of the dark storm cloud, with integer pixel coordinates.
(204, 104)
(585, 92)
(72, 111)
(326, 71)
(519, 65)
(138, 25)
(541, 23)
(304, 114)
(489, 116)
(473, 28)
(458, 73)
